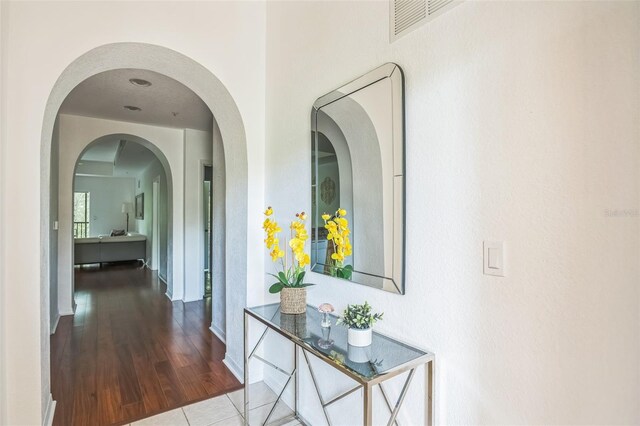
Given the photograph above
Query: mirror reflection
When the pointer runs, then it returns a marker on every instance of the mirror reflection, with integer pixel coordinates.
(357, 181)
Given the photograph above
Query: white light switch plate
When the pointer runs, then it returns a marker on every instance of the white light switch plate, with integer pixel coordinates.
(493, 258)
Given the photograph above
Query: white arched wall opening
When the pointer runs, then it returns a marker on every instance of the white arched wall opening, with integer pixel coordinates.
(215, 95)
(76, 133)
(65, 211)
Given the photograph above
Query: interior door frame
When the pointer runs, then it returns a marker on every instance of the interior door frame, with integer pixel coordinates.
(203, 165)
(155, 225)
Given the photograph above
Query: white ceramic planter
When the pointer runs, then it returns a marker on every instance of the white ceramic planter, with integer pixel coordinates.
(358, 337)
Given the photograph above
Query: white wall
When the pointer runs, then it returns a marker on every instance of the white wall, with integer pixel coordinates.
(145, 226)
(521, 125)
(198, 146)
(54, 315)
(107, 195)
(3, 354)
(225, 38)
(219, 259)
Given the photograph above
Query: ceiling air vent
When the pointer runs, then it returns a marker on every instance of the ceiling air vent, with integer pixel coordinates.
(407, 15)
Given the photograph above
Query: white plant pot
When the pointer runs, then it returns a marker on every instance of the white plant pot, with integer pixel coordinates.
(357, 337)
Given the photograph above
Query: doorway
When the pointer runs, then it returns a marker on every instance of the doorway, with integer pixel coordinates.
(155, 225)
(231, 130)
(129, 302)
(207, 205)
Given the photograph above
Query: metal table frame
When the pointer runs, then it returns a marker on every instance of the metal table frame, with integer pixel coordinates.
(428, 360)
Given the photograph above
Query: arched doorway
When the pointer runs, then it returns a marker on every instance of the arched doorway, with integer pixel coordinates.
(85, 138)
(213, 92)
(165, 181)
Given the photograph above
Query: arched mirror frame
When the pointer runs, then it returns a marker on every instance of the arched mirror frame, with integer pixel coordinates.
(392, 278)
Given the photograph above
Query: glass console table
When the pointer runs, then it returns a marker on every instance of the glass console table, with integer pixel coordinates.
(384, 359)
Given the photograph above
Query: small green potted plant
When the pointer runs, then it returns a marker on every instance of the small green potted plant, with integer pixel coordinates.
(360, 321)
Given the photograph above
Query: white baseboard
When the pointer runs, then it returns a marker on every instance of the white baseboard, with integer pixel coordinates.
(169, 294)
(233, 367)
(219, 333)
(51, 410)
(54, 327)
(66, 313)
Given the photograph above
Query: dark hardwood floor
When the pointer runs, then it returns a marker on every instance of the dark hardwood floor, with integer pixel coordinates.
(129, 352)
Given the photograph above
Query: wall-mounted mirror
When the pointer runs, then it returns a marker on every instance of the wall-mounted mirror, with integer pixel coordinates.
(357, 145)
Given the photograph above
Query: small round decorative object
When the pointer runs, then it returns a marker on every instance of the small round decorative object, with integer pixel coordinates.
(325, 344)
(325, 309)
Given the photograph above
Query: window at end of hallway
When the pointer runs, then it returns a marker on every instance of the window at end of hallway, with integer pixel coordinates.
(81, 214)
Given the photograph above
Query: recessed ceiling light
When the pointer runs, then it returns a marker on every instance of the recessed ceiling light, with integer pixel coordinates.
(139, 82)
(132, 108)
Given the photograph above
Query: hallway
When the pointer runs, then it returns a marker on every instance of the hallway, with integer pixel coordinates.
(129, 352)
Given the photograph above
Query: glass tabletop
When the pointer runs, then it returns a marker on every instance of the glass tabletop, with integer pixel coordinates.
(382, 356)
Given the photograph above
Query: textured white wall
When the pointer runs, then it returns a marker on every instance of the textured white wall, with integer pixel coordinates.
(522, 126)
(54, 315)
(218, 274)
(145, 225)
(3, 357)
(226, 38)
(198, 147)
(107, 196)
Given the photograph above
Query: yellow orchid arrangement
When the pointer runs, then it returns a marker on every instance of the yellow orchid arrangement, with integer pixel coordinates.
(338, 233)
(292, 274)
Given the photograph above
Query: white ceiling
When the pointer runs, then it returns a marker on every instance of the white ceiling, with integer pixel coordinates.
(126, 158)
(103, 151)
(165, 103)
(133, 159)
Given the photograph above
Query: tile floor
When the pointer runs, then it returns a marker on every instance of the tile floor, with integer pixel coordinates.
(225, 410)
